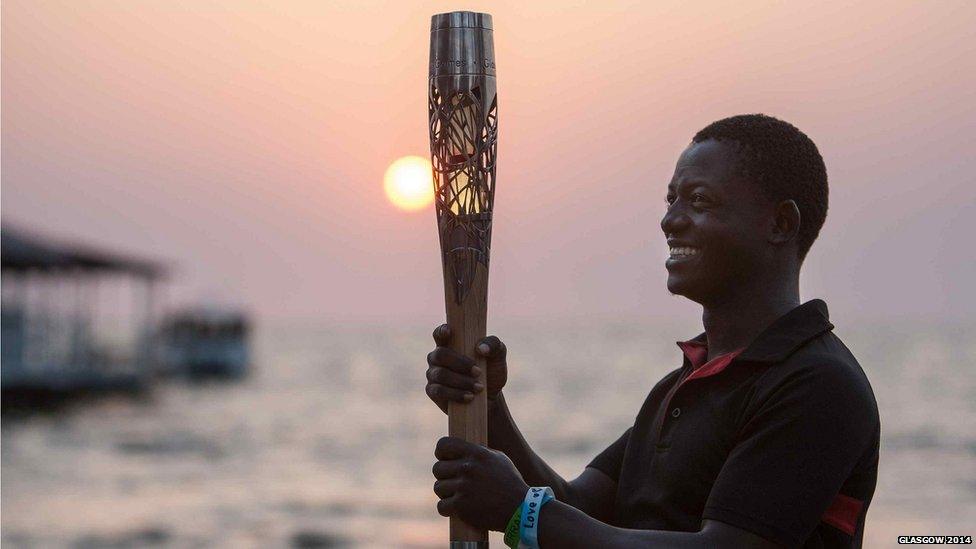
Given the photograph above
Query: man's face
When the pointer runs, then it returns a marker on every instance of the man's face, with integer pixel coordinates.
(715, 225)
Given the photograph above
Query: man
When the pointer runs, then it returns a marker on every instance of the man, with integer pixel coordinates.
(767, 435)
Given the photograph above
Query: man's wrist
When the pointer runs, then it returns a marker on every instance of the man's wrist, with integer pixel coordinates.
(496, 419)
(535, 498)
(494, 401)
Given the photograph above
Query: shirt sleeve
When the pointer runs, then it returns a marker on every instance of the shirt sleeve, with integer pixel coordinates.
(610, 460)
(799, 442)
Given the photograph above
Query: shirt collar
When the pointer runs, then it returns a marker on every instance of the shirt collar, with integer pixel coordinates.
(777, 341)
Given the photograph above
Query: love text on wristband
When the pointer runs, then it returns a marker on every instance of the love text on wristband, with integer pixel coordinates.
(535, 498)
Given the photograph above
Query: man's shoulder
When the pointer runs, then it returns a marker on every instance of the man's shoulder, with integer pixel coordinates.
(824, 368)
(824, 354)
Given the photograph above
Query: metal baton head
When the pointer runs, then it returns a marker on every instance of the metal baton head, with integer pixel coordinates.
(463, 117)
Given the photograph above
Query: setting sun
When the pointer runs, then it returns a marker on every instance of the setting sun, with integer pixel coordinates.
(408, 183)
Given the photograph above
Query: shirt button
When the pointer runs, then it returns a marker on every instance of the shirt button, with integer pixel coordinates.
(676, 412)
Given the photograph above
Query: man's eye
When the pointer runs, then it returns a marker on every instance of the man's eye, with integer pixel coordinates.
(698, 197)
(669, 199)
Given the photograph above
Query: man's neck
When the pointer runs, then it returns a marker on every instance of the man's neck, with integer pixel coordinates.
(736, 322)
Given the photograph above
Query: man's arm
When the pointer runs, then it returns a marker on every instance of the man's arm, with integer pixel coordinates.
(482, 486)
(561, 525)
(592, 492)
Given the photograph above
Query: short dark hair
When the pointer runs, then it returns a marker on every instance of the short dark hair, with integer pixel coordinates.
(782, 161)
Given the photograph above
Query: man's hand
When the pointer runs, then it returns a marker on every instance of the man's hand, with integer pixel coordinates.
(453, 377)
(477, 484)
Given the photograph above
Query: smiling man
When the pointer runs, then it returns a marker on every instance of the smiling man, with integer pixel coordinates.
(768, 433)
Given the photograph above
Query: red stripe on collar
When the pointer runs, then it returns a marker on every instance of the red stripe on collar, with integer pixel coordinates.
(697, 354)
(714, 365)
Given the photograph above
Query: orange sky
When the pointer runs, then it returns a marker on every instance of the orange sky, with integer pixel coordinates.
(246, 142)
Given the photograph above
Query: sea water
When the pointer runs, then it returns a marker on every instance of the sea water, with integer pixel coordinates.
(330, 442)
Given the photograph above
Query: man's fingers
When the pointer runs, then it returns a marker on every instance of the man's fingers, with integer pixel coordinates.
(443, 470)
(437, 391)
(446, 488)
(446, 507)
(442, 335)
(492, 348)
(454, 448)
(447, 358)
(447, 378)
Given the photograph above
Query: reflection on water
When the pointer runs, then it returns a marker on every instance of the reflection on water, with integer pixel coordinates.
(330, 443)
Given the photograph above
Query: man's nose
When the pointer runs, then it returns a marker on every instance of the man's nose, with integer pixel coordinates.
(674, 221)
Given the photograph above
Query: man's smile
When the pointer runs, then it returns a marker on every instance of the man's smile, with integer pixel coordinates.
(682, 251)
(680, 254)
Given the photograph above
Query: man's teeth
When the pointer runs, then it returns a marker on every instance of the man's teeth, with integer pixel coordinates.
(683, 251)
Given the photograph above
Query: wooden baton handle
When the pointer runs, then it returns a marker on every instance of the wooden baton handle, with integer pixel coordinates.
(469, 421)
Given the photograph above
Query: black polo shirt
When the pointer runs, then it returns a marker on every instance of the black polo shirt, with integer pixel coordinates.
(780, 439)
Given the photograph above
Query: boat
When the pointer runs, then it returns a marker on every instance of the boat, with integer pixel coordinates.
(206, 342)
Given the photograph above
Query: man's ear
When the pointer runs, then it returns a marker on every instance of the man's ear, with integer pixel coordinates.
(786, 222)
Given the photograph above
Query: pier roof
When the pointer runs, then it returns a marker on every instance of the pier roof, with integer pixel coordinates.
(22, 250)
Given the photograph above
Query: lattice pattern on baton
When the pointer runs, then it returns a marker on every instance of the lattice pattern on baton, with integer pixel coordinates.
(463, 144)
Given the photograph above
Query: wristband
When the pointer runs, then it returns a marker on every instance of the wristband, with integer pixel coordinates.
(512, 530)
(535, 498)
